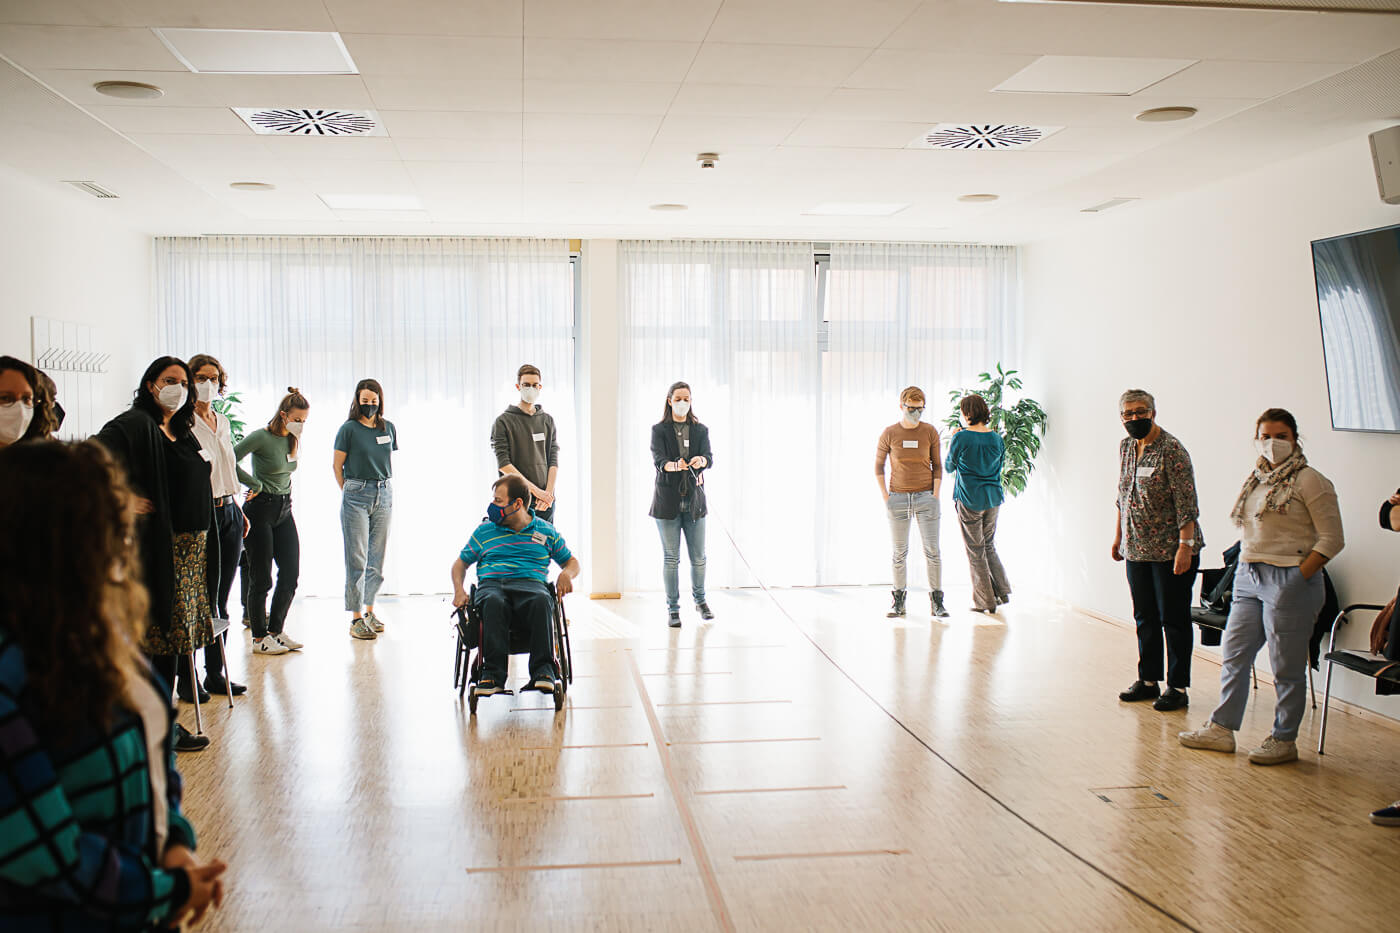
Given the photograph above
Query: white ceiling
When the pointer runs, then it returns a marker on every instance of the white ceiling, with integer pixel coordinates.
(571, 117)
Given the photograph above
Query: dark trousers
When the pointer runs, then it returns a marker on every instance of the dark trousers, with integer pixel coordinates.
(545, 515)
(229, 519)
(521, 604)
(272, 537)
(1162, 607)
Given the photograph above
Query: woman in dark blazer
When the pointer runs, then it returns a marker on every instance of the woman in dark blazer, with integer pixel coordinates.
(680, 448)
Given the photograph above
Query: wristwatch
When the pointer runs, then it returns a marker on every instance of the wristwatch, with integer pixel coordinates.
(1188, 542)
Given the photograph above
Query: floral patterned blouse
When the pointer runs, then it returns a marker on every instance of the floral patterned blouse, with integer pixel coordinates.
(1156, 497)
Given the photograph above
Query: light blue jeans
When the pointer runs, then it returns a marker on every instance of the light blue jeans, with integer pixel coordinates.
(671, 529)
(923, 506)
(1272, 605)
(365, 509)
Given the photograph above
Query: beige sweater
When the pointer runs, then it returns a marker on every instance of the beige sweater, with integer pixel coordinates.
(1312, 521)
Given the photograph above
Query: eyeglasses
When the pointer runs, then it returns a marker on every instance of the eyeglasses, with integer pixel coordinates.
(1136, 413)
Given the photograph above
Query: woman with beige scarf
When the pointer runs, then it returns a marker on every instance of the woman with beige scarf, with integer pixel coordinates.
(1290, 525)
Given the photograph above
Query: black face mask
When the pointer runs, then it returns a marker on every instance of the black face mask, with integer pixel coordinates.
(1138, 428)
(368, 411)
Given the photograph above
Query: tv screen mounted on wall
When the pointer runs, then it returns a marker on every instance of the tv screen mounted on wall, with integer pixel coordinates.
(1358, 301)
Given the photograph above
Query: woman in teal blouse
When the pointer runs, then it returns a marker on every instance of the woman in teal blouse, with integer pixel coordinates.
(975, 455)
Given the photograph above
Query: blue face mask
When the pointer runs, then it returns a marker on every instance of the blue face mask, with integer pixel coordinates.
(497, 514)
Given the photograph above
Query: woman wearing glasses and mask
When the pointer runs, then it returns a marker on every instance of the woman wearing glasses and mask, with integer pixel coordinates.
(680, 449)
(1158, 536)
(916, 473)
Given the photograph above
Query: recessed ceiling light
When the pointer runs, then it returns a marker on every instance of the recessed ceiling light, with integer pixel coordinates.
(128, 90)
(978, 198)
(311, 121)
(251, 186)
(372, 202)
(854, 209)
(258, 51)
(669, 207)
(1166, 114)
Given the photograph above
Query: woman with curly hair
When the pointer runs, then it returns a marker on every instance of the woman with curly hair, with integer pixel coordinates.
(89, 795)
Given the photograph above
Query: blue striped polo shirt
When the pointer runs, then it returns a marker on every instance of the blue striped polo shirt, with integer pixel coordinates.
(503, 554)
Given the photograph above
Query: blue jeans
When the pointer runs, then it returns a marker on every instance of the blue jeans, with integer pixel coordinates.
(1272, 605)
(901, 508)
(365, 509)
(671, 529)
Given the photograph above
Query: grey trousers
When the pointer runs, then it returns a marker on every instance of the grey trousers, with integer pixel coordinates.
(901, 508)
(979, 528)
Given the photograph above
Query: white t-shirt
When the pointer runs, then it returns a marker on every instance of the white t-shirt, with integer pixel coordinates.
(155, 720)
(218, 444)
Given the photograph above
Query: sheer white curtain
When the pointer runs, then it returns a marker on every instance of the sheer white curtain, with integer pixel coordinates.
(929, 315)
(738, 321)
(442, 323)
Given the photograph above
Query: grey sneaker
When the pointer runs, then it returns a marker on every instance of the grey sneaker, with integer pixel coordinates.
(362, 629)
(1274, 752)
(1211, 736)
(374, 621)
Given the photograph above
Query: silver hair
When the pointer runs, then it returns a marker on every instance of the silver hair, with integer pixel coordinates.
(1137, 395)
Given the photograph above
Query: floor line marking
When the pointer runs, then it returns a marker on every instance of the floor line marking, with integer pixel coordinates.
(686, 673)
(722, 703)
(794, 855)
(576, 865)
(768, 790)
(715, 647)
(803, 738)
(692, 830)
(550, 748)
(565, 799)
(567, 708)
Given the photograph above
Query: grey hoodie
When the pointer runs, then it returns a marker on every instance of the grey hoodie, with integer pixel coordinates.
(528, 442)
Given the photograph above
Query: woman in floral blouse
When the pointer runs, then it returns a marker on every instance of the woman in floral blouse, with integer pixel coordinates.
(1157, 534)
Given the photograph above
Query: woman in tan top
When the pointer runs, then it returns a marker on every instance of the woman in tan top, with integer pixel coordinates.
(1290, 525)
(916, 473)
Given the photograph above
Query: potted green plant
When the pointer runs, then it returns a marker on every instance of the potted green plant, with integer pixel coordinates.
(1021, 425)
(228, 406)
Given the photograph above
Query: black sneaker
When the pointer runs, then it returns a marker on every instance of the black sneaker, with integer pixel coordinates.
(674, 620)
(182, 690)
(1139, 691)
(216, 684)
(705, 612)
(543, 682)
(187, 741)
(1003, 600)
(486, 687)
(1172, 699)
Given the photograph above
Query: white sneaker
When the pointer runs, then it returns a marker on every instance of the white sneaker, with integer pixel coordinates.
(288, 642)
(373, 621)
(269, 645)
(1274, 752)
(1211, 736)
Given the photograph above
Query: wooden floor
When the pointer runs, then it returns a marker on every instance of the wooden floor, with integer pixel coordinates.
(839, 772)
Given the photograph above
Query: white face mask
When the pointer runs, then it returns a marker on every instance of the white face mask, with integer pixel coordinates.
(294, 428)
(681, 408)
(529, 394)
(205, 391)
(14, 421)
(914, 415)
(171, 397)
(1275, 450)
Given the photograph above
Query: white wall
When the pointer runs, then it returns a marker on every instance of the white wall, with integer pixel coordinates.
(1208, 302)
(61, 259)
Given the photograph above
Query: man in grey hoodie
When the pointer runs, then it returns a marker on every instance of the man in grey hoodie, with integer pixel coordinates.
(526, 444)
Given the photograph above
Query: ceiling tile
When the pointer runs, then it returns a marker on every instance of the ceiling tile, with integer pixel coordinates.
(451, 124)
(576, 173)
(593, 97)
(294, 149)
(332, 177)
(1080, 74)
(456, 57)
(258, 51)
(880, 105)
(783, 65)
(242, 14)
(191, 90)
(448, 176)
(428, 17)
(717, 132)
(748, 99)
(679, 20)
(607, 60)
(200, 120)
(217, 174)
(905, 69)
(1260, 80)
(459, 150)
(180, 147)
(810, 22)
(42, 47)
(437, 94)
(593, 154)
(859, 134)
(592, 127)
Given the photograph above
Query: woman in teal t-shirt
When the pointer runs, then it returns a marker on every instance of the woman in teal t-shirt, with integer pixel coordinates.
(364, 446)
(975, 455)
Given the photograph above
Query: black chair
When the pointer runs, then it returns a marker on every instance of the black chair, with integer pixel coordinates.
(1360, 662)
(466, 669)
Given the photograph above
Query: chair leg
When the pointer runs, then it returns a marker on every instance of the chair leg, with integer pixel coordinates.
(1254, 673)
(194, 684)
(1312, 689)
(1326, 699)
(228, 677)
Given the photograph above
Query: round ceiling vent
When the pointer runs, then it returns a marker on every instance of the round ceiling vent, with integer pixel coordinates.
(309, 122)
(984, 136)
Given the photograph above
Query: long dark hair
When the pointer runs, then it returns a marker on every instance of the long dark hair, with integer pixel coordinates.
(668, 415)
(73, 598)
(182, 419)
(374, 386)
(278, 425)
(45, 420)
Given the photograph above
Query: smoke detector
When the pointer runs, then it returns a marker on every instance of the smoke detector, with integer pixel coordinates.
(310, 121)
(707, 159)
(982, 136)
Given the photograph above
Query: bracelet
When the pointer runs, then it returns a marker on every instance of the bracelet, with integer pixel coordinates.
(1186, 542)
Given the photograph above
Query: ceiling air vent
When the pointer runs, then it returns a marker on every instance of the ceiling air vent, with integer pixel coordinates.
(92, 188)
(293, 121)
(982, 136)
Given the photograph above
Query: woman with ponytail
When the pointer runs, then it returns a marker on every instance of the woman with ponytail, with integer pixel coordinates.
(272, 533)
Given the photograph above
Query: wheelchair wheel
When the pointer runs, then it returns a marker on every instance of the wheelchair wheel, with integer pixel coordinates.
(457, 663)
(561, 639)
(471, 703)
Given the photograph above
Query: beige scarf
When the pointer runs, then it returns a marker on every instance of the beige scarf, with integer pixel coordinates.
(1281, 481)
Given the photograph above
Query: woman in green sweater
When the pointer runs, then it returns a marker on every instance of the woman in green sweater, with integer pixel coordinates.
(272, 535)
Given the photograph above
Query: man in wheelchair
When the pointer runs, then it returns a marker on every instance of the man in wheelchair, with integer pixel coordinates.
(512, 551)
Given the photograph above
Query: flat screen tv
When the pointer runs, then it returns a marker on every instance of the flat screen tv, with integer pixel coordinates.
(1358, 300)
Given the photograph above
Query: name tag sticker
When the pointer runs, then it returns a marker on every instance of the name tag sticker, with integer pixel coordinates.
(384, 439)
(912, 444)
(539, 437)
(1145, 472)
(687, 443)
(538, 537)
(204, 455)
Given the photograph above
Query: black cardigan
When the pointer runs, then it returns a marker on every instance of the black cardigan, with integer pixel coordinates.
(666, 499)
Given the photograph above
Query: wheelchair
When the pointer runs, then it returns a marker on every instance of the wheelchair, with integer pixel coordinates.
(466, 669)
